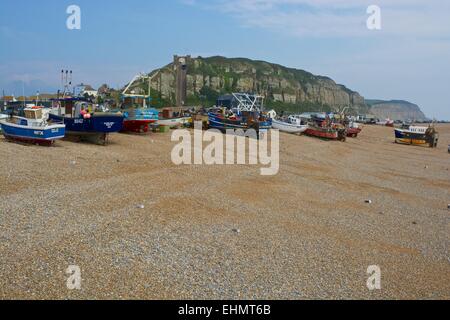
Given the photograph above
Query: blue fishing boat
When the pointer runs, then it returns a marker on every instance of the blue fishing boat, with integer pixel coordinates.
(33, 128)
(240, 111)
(138, 115)
(219, 119)
(83, 122)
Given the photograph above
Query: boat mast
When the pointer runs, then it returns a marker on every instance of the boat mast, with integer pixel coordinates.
(23, 93)
(249, 102)
(66, 81)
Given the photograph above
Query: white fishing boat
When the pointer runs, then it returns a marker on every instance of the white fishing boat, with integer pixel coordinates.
(174, 122)
(386, 123)
(292, 126)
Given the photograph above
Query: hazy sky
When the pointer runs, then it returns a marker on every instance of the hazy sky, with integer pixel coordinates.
(409, 58)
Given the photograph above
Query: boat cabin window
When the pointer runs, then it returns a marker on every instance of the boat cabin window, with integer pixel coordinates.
(22, 122)
(34, 114)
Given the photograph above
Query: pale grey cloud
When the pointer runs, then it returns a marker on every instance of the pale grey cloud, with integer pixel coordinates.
(327, 18)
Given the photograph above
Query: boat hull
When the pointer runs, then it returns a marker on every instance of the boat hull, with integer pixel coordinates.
(95, 129)
(97, 124)
(353, 132)
(34, 135)
(175, 122)
(415, 139)
(218, 122)
(139, 120)
(288, 128)
(322, 133)
(137, 126)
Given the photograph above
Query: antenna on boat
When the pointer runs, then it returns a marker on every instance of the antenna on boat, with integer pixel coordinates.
(67, 80)
(23, 93)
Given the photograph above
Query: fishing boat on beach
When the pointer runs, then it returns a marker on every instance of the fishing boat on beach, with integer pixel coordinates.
(291, 125)
(387, 123)
(418, 136)
(353, 132)
(322, 132)
(240, 111)
(139, 116)
(326, 129)
(83, 121)
(80, 116)
(173, 120)
(32, 128)
(353, 129)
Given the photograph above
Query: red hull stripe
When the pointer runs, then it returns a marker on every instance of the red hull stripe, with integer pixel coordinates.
(138, 126)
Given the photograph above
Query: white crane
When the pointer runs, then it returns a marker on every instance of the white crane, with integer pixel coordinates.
(141, 77)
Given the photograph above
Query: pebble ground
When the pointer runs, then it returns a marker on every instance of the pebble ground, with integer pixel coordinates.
(140, 227)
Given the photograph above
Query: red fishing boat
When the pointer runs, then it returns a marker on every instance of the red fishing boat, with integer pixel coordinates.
(353, 132)
(326, 129)
(320, 132)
